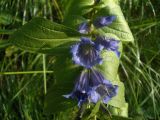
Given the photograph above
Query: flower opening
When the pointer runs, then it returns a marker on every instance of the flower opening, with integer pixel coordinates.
(85, 53)
(91, 86)
(103, 21)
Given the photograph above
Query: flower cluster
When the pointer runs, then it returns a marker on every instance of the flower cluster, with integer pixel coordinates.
(91, 86)
(98, 23)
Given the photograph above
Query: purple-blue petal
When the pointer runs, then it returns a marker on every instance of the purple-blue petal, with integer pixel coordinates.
(82, 83)
(106, 99)
(81, 97)
(85, 40)
(96, 78)
(108, 44)
(94, 96)
(117, 53)
(83, 28)
(103, 21)
(85, 53)
(91, 86)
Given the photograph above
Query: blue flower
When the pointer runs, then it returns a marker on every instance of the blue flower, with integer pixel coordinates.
(83, 28)
(98, 23)
(103, 21)
(80, 89)
(91, 86)
(86, 53)
(104, 91)
(108, 44)
(101, 88)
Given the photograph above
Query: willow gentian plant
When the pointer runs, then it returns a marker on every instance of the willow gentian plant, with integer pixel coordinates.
(91, 86)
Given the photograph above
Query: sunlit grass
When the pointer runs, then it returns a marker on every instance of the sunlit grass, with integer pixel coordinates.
(22, 95)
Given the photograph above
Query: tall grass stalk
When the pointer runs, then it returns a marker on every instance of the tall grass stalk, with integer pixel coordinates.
(24, 76)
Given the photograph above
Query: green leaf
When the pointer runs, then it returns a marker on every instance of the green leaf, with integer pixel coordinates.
(74, 9)
(4, 31)
(41, 35)
(4, 44)
(113, 117)
(65, 74)
(110, 63)
(119, 27)
(77, 7)
(109, 69)
(120, 107)
(94, 110)
(5, 18)
(74, 21)
(69, 114)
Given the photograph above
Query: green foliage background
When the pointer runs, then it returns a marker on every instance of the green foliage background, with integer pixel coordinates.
(21, 92)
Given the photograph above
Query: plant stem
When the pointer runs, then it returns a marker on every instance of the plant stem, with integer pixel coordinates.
(44, 74)
(25, 72)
